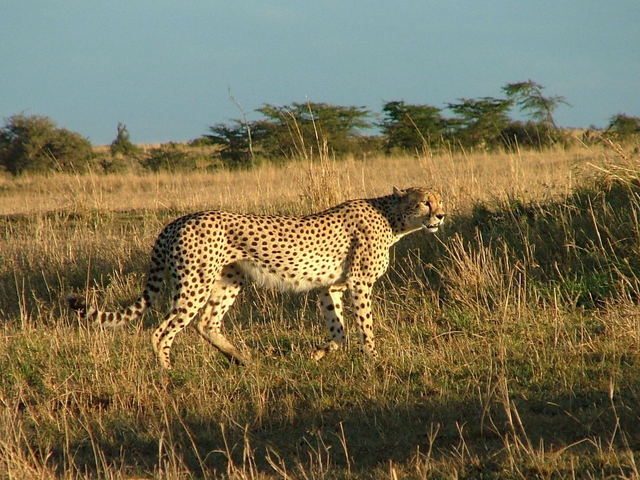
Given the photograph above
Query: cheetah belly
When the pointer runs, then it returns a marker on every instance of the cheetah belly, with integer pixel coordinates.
(280, 280)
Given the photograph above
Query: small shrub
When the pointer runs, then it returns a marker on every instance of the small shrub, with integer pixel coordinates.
(176, 158)
(119, 164)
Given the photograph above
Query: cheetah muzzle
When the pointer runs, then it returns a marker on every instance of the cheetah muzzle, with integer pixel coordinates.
(210, 256)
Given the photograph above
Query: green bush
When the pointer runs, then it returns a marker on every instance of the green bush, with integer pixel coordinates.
(35, 144)
(530, 134)
(176, 158)
(112, 164)
(624, 128)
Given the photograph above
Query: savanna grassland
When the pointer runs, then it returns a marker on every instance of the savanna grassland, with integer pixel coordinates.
(510, 340)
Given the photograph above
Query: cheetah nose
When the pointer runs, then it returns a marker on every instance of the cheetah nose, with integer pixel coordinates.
(440, 216)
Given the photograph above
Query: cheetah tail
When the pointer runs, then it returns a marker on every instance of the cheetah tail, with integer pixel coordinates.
(110, 319)
(136, 309)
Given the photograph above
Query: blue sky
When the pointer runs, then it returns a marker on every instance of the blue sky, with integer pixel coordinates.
(165, 68)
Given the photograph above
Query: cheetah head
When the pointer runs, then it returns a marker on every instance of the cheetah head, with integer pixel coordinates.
(420, 208)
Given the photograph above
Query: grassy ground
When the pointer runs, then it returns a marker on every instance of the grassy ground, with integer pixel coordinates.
(510, 341)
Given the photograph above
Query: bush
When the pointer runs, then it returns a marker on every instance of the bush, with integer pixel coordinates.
(112, 164)
(530, 134)
(232, 141)
(624, 128)
(177, 158)
(36, 144)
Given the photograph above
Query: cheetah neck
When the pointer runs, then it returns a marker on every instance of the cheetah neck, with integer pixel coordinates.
(389, 208)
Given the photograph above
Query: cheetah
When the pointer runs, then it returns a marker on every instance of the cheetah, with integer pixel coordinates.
(209, 256)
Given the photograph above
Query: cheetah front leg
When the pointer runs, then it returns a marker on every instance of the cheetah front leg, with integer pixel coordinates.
(364, 273)
(361, 298)
(331, 303)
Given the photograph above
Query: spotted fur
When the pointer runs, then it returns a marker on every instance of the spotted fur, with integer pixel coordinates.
(209, 257)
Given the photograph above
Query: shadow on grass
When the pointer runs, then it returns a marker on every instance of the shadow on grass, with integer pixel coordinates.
(363, 440)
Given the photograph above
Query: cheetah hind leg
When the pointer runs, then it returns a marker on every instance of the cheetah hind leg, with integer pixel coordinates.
(223, 294)
(164, 335)
(182, 313)
(331, 303)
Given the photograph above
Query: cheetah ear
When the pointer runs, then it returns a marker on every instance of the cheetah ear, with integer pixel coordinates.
(397, 191)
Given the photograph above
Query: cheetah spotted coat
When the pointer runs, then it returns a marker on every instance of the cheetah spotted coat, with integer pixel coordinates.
(209, 256)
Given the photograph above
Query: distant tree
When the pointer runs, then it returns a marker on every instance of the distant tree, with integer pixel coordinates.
(35, 144)
(480, 121)
(234, 140)
(529, 98)
(541, 130)
(624, 127)
(122, 144)
(291, 130)
(300, 128)
(411, 127)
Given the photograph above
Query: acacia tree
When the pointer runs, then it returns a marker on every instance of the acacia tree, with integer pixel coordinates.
(410, 127)
(540, 130)
(233, 138)
(480, 121)
(529, 98)
(291, 130)
(298, 128)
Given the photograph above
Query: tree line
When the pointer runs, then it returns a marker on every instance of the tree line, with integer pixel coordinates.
(308, 129)
(299, 128)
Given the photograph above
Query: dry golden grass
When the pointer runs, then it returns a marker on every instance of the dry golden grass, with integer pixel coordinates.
(510, 341)
(464, 179)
